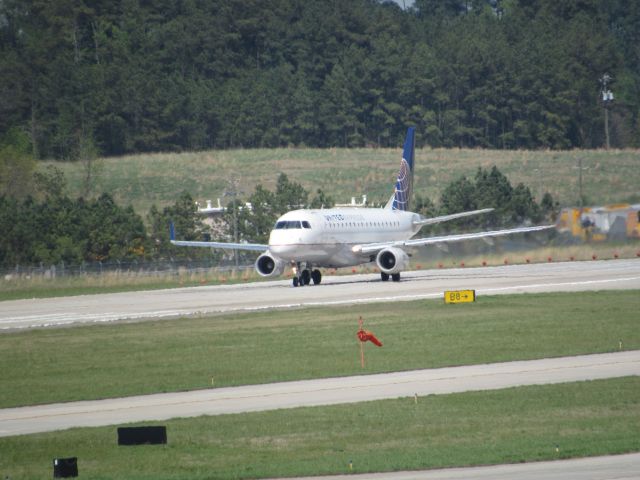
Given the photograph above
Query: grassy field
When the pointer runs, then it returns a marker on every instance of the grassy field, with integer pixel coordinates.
(503, 426)
(63, 364)
(142, 180)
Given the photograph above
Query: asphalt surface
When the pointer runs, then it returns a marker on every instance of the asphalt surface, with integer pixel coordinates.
(616, 467)
(307, 393)
(334, 290)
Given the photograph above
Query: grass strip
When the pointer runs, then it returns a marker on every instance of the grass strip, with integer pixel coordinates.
(474, 428)
(90, 362)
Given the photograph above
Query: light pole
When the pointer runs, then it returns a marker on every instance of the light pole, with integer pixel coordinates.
(607, 98)
(538, 172)
(580, 168)
(232, 191)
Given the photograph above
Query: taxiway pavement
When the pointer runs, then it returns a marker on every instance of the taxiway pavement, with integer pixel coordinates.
(328, 391)
(613, 467)
(334, 290)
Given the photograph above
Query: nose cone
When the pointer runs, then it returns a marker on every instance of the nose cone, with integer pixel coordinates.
(284, 243)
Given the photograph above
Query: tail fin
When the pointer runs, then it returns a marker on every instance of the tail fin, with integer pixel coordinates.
(404, 184)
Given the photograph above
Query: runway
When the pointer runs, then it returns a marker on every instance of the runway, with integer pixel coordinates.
(614, 467)
(329, 391)
(334, 290)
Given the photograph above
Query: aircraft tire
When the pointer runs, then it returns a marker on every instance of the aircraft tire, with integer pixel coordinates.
(395, 277)
(295, 281)
(384, 276)
(305, 277)
(316, 276)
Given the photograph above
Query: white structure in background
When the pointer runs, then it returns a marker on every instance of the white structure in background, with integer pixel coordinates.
(211, 210)
(353, 203)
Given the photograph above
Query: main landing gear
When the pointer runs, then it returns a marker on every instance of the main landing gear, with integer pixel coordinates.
(305, 276)
(394, 276)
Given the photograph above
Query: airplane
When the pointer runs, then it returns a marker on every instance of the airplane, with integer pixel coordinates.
(310, 239)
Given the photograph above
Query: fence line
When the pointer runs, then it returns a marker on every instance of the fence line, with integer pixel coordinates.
(151, 268)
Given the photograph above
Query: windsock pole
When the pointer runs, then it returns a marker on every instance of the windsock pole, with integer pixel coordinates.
(360, 324)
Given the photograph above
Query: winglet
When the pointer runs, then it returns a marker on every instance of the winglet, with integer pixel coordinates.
(404, 183)
(172, 231)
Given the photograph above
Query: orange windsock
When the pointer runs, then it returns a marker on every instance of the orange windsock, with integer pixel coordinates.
(365, 335)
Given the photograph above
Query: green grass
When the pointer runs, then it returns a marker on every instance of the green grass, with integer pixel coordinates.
(41, 286)
(146, 179)
(89, 362)
(491, 427)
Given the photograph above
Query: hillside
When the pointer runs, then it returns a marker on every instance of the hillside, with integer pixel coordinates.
(142, 180)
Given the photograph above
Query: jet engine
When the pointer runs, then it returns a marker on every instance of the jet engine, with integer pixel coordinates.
(392, 260)
(268, 266)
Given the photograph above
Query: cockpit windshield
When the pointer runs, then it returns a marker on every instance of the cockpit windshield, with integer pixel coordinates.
(290, 224)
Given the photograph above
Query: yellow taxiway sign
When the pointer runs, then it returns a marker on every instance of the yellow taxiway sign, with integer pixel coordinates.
(459, 296)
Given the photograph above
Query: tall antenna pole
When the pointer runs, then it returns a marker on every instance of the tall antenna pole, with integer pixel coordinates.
(607, 98)
(232, 191)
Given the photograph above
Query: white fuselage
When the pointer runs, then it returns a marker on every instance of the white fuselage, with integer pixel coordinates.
(326, 237)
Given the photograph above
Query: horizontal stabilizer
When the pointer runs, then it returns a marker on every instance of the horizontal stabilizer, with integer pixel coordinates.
(445, 218)
(256, 247)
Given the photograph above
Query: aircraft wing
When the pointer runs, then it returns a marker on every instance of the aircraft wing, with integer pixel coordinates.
(453, 216)
(258, 247)
(418, 242)
(222, 245)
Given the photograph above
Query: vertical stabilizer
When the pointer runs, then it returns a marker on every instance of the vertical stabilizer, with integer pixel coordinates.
(404, 184)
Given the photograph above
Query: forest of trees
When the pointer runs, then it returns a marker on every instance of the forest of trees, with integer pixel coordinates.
(85, 78)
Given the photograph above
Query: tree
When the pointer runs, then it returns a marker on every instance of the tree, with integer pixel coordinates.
(289, 195)
(16, 164)
(50, 183)
(549, 208)
(255, 224)
(187, 226)
(321, 200)
(490, 189)
(12, 243)
(114, 233)
(493, 190)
